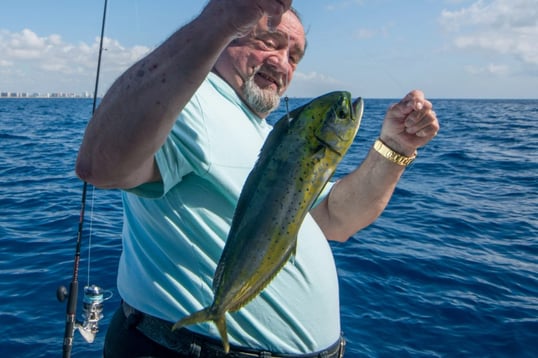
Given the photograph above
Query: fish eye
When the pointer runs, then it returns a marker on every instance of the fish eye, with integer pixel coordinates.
(343, 112)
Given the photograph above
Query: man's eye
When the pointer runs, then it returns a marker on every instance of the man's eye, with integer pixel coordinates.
(270, 44)
(294, 59)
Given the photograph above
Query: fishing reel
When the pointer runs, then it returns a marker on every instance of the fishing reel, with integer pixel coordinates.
(92, 310)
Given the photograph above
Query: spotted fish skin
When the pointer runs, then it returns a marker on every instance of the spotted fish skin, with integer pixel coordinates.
(296, 161)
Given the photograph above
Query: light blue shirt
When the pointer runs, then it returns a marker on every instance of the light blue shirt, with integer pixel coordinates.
(174, 233)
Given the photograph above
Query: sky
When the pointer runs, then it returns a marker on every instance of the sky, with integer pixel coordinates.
(372, 48)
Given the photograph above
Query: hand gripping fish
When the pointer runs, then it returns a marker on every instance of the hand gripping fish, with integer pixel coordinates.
(296, 161)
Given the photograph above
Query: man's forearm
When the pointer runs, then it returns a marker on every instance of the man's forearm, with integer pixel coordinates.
(359, 198)
(139, 109)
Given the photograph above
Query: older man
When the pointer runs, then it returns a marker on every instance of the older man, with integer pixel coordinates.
(179, 132)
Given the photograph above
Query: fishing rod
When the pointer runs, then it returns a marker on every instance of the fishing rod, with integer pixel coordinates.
(93, 295)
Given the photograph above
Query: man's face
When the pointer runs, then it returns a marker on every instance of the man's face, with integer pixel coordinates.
(260, 65)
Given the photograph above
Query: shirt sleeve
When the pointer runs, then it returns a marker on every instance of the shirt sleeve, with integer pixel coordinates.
(183, 152)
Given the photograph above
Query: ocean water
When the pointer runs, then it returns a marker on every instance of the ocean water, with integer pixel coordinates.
(450, 269)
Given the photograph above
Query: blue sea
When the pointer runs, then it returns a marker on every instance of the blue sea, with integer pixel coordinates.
(450, 269)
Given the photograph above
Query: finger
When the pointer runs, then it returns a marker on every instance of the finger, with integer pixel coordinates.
(273, 22)
(414, 100)
(427, 125)
(274, 12)
(417, 115)
(429, 131)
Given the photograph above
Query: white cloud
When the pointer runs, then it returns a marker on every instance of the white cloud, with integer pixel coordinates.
(315, 76)
(335, 5)
(503, 27)
(26, 57)
(312, 84)
(491, 68)
(366, 33)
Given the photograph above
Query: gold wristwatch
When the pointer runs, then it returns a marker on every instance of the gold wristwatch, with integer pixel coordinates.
(392, 155)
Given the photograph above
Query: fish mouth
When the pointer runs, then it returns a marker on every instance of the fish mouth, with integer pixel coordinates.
(356, 108)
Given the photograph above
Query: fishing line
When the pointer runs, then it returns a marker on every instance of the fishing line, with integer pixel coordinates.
(93, 295)
(90, 235)
(287, 102)
(286, 99)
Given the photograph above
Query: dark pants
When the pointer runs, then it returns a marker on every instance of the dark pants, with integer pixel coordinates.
(123, 340)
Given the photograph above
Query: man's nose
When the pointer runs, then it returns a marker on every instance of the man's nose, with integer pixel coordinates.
(280, 59)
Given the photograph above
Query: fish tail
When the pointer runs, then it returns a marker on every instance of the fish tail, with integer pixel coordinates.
(220, 322)
(207, 314)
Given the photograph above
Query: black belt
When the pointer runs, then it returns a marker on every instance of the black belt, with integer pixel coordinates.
(193, 344)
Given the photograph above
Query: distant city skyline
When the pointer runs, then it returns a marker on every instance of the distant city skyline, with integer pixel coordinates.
(14, 94)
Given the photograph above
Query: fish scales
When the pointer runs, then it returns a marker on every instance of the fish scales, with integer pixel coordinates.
(295, 163)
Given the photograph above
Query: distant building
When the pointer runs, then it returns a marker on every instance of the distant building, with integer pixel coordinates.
(6, 94)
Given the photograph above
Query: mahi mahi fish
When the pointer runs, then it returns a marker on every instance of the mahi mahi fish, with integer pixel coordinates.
(295, 163)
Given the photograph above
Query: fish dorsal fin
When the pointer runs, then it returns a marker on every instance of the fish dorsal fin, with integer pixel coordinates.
(273, 139)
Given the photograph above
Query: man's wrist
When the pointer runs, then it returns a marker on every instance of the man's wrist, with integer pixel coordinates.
(392, 155)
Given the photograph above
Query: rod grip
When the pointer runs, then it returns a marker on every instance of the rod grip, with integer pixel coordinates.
(70, 319)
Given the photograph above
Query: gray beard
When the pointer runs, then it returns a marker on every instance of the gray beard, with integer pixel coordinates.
(259, 100)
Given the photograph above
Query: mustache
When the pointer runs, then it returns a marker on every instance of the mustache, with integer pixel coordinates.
(270, 74)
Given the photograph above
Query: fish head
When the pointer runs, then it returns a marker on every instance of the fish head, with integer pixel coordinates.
(335, 119)
(330, 122)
